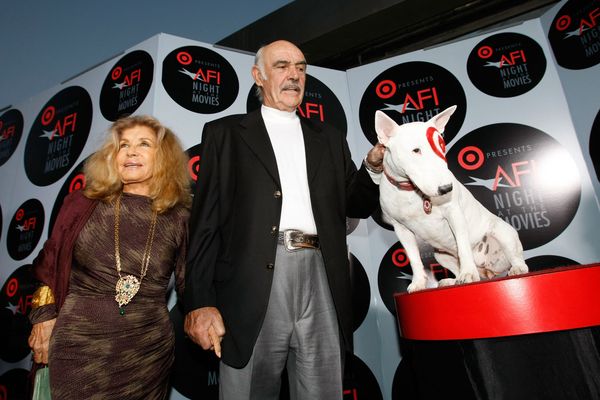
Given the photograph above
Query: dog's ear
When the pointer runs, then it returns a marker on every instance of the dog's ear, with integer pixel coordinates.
(440, 120)
(384, 126)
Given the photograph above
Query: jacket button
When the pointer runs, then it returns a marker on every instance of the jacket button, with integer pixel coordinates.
(277, 194)
(274, 230)
(270, 266)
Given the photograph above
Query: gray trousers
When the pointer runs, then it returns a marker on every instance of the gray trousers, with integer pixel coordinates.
(300, 332)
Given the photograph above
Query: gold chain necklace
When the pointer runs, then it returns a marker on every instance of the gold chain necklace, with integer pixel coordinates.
(128, 285)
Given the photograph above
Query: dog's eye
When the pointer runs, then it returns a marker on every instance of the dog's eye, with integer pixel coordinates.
(417, 151)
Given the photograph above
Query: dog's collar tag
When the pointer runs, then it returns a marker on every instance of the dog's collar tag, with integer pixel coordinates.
(427, 206)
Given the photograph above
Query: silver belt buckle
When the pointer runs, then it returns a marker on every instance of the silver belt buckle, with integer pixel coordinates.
(289, 237)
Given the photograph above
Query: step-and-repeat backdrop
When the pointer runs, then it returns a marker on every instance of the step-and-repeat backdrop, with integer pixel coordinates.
(521, 141)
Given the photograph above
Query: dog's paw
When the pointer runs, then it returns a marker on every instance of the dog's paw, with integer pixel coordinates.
(446, 282)
(518, 269)
(417, 285)
(468, 277)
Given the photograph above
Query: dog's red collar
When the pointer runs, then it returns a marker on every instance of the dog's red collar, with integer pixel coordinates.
(402, 185)
(409, 186)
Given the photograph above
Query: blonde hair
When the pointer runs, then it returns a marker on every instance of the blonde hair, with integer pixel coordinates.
(170, 183)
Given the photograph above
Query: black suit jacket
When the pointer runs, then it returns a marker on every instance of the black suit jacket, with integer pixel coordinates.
(235, 217)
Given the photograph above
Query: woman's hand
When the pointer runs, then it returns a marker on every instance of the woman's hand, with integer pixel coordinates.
(39, 340)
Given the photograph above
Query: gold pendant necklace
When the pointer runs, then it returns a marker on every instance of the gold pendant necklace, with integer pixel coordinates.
(128, 285)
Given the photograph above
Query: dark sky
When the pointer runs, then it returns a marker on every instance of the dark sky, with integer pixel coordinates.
(47, 42)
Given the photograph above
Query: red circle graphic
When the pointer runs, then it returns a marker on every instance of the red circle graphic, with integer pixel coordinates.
(399, 258)
(470, 158)
(48, 115)
(485, 52)
(116, 73)
(77, 183)
(563, 22)
(194, 167)
(184, 58)
(12, 287)
(385, 89)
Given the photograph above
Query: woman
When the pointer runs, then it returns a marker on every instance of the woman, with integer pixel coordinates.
(100, 320)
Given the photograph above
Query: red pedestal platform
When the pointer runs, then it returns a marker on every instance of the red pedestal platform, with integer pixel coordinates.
(544, 301)
(533, 336)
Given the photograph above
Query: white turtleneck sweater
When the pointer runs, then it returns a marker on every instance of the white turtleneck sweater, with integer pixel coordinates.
(288, 144)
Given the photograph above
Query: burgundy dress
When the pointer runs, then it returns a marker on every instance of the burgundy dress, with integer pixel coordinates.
(95, 352)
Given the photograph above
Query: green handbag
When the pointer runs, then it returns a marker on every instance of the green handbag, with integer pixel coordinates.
(41, 385)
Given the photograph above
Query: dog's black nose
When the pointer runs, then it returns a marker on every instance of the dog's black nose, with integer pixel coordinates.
(445, 189)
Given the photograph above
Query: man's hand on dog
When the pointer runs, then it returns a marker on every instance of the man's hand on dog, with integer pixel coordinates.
(375, 156)
(205, 327)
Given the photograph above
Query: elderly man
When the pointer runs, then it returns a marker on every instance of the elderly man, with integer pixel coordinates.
(268, 271)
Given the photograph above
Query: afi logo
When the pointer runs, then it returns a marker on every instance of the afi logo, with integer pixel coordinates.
(424, 98)
(128, 80)
(518, 169)
(512, 58)
(28, 225)
(311, 110)
(208, 75)
(62, 127)
(205, 76)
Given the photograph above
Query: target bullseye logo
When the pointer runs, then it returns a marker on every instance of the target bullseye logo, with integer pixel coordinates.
(48, 115)
(194, 164)
(470, 158)
(116, 73)
(400, 259)
(385, 89)
(184, 58)
(194, 167)
(436, 141)
(485, 52)
(12, 287)
(562, 23)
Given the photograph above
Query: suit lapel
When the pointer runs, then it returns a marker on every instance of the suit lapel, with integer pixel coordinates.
(254, 133)
(313, 147)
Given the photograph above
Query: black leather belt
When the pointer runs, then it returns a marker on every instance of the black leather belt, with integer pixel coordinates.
(297, 240)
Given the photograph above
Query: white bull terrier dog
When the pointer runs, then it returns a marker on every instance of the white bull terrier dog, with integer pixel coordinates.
(420, 197)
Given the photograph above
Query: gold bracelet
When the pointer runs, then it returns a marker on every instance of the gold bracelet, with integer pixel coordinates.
(42, 296)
